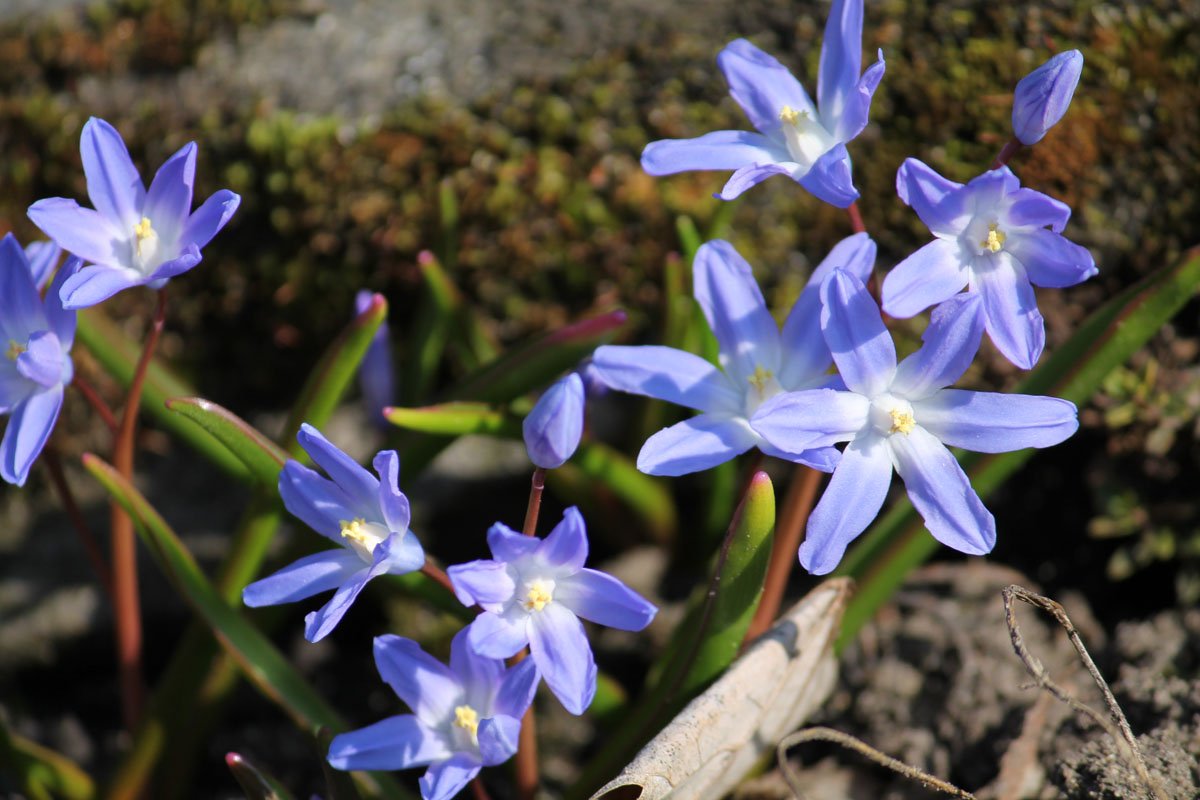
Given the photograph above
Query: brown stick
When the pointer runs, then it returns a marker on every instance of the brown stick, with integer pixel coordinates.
(1008, 151)
(92, 547)
(856, 220)
(96, 402)
(537, 484)
(526, 765)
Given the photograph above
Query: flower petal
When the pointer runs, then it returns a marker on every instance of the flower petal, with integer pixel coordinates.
(316, 500)
(941, 492)
(187, 258)
(934, 273)
(851, 500)
(940, 203)
(497, 635)
(761, 85)
(823, 459)
(28, 429)
(508, 545)
(483, 583)
(566, 548)
(797, 421)
(601, 598)
(553, 427)
(43, 258)
(716, 150)
(1010, 309)
(398, 554)
(858, 104)
(169, 200)
(397, 742)
(563, 656)
(1050, 260)
(517, 688)
(20, 304)
(754, 174)
(210, 218)
(359, 485)
(498, 737)
(113, 182)
(82, 231)
(320, 623)
(479, 675)
(92, 285)
(841, 59)
(426, 685)
(1043, 96)
(311, 575)
(1031, 208)
(990, 422)
(444, 779)
(61, 321)
(667, 374)
(951, 341)
(42, 362)
(746, 332)
(695, 444)
(830, 179)
(861, 346)
(392, 502)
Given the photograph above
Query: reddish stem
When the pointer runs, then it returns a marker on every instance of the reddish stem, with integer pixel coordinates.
(127, 610)
(856, 220)
(1008, 151)
(438, 574)
(537, 484)
(96, 402)
(526, 766)
(478, 790)
(54, 466)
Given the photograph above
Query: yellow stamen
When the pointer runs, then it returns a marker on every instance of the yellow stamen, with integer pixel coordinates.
(995, 239)
(353, 530)
(536, 598)
(789, 114)
(760, 377)
(467, 718)
(143, 231)
(15, 349)
(902, 422)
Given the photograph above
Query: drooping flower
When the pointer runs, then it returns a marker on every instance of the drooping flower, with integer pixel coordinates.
(796, 138)
(37, 336)
(902, 417)
(133, 237)
(377, 375)
(1043, 96)
(533, 592)
(465, 716)
(553, 427)
(758, 361)
(367, 516)
(992, 238)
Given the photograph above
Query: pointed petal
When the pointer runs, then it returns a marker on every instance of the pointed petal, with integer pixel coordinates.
(28, 429)
(1028, 207)
(951, 341)
(398, 554)
(830, 179)
(498, 739)
(941, 492)
(725, 288)
(397, 742)
(761, 85)
(841, 59)
(940, 203)
(566, 547)
(990, 422)
(315, 500)
(169, 200)
(1051, 260)
(862, 347)
(82, 231)
(508, 545)
(113, 182)
(319, 572)
(479, 675)
(42, 362)
(754, 174)
(851, 500)
(498, 636)
(695, 444)
(601, 598)
(359, 485)
(823, 459)
(426, 685)
(43, 258)
(320, 623)
(20, 304)
(517, 688)
(667, 374)
(392, 502)
(934, 273)
(13, 387)
(484, 583)
(61, 320)
(561, 651)
(93, 285)
(716, 150)
(444, 779)
(857, 111)
(797, 421)
(210, 218)
(1010, 310)
(188, 258)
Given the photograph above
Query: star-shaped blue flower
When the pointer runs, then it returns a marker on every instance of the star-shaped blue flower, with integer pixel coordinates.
(367, 516)
(796, 138)
(465, 717)
(901, 417)
(758, 361)
(132, 237)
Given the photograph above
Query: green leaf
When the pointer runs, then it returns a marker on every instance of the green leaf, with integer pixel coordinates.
(39, 772)
(455, 418)
(253, 448)
(255, 782)
(428, 337)
(595, 464)
(898, 542)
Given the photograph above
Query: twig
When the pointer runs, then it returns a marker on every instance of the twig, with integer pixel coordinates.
(97, 403)
(1039, 674)
(1008, 151)
(54, 466)
(431, 570)
(526, 764)
(846, 740)
(856, 220)
(536, 485)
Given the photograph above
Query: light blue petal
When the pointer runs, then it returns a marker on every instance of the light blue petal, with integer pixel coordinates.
(841, 60)
(824, 459)
(695, 444)
(319, 572)
(857, 111)
(761, 85)
(992, 187)
(483, 583)
(951, 341)
(210, 218)
(1050, 260)
(716, 150)
(934, 273)
(1010, 310)
(566, 548)
(13, 387)
(861, 346)
(320, 623)
(851, 501)
(113, 182)
(990, 422)
(322, 505)
(61, 320)
(376, 375)
(398, 554)
(426, 685)
(187, 258)
(397, 742)
(43, 258)
(392, 502)
(940, 203)
(20, 304)
(601, 598)
(497, 636)
(444, 779)
(517, 688)
(830, 178)
(498, 739)
(553, 427)
(82, 231)
(747, 334)
(754, 174)
(666, 374)
(42, 362)
(92, 285)
(941, 492)
(28, 429)
(798, 421)
(169, 201)
(1027, 207)
(508, 545)
(359, 485)
(479, 675)
(1043, 96)
(563, 656)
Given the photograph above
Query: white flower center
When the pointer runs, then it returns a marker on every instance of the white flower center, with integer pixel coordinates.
(763, 387)
(984, 236)
(538, 593)
(145, 247)
(363, 537)
(806, 139)
(890, 414)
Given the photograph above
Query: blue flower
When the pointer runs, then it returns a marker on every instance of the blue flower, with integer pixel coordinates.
(758, 361)
(37, 338)
(466, 716)
(377, 376)
(534, 592)
(133, 237)
(368, 517)
(43, 258)
(1043, 96)
(795, 138)
(991, 239)
(553, 427)
(902, 417)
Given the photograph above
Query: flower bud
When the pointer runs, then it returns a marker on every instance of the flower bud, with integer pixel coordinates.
(1042, 96)
(376, 375)
(553, 427)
